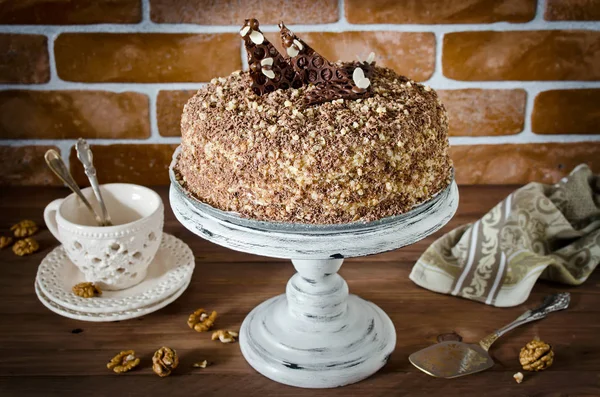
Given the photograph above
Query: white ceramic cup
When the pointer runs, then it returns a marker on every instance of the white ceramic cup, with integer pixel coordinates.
(116, 257)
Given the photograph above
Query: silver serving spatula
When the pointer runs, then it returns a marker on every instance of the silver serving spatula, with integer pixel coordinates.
(453, 359)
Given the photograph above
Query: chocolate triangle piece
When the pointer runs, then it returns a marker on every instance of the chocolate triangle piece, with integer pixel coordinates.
(346, 88)
(308, 63)
(268, 68)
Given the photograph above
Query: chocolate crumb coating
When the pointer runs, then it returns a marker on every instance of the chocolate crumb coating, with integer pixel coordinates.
(272, 157)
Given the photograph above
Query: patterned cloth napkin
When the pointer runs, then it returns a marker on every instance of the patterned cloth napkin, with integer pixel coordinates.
(547, 231)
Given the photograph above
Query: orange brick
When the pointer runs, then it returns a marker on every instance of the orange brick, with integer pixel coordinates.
(567, 112)
(439, 11)
(73, 114)
(61, 12)
(234, 12)
(522, 163)
(572, 10)
(522, 55)
(143, 164)
(475, 112)
(146, 58)
(169, 106)
(25, 166)
(24, 59)
(410, 54)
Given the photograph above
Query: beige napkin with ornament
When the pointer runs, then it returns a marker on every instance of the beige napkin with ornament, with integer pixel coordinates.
(539, 231)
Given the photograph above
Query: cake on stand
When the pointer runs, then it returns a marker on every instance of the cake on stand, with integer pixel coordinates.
(315, 335)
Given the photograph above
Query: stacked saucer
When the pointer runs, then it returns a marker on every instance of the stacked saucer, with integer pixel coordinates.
(168, 276)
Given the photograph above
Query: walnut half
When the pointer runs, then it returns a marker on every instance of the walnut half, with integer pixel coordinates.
(5, 241)
(123, 362)
(164, 361)
(200, 321)
(25, 247)
(86, 290)
(536, 356)
(25, 228)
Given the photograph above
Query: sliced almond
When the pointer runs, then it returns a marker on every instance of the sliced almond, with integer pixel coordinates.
(244, 31)
(298, 45)
(371, 58)
(257, 37)
(269, 73)
(267, 61)
(292, 51)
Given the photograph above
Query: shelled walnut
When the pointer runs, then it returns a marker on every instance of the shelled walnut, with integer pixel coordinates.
(536, 356)
(25, 247)
(225, 336)
(25, 228)
(518, 377)
(87, 290)
(164, 361)
(123, 362)
(200, 321)
(5, 241)
(201, 364)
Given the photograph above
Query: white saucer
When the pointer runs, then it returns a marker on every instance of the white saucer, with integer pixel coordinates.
(171, 268)
(107, 317)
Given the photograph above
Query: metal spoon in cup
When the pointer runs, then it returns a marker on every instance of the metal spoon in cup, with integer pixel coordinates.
(58, 166)
(84, 154)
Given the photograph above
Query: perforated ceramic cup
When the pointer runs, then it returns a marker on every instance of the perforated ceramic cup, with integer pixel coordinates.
(116, 257)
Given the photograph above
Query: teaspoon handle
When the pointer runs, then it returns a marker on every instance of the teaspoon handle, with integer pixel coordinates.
(84, 154)
(58, 166)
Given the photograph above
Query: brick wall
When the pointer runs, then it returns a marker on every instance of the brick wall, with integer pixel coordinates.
(518, 77)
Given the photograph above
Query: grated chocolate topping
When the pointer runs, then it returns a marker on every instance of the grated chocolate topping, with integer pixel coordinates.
(273, 157)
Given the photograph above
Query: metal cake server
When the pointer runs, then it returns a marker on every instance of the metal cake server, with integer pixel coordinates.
(84, 154)
(58, 166)
(453, 359)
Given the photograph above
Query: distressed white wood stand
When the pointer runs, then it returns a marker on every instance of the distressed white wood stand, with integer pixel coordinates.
(315, 335)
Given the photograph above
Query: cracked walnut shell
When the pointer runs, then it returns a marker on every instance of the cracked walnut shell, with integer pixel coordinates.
(200, 321)
(86, 290)
(25, 247)
(123, 362)
(25, 228)
(536, 356)
(5, 241)
(225, 336)
(164, 361)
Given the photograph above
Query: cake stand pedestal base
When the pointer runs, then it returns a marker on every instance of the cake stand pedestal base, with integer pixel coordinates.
(316, 335)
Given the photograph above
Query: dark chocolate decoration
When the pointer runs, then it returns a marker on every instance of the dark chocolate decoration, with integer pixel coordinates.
(342, 88)
(312, 66)
(333, 81)
(284, 74)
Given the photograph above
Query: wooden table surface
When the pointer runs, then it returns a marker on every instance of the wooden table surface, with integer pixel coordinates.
(42, 354)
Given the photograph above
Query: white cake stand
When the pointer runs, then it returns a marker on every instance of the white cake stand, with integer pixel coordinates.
(315, 335)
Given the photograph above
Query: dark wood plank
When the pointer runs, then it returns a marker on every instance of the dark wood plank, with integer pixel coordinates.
(39, 354)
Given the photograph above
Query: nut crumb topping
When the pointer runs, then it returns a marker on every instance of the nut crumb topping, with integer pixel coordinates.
(272, 157)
